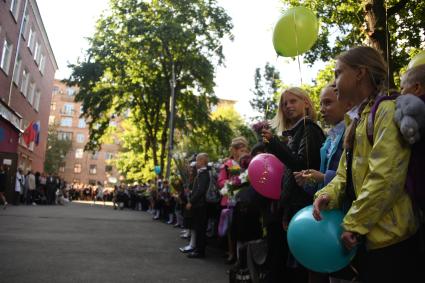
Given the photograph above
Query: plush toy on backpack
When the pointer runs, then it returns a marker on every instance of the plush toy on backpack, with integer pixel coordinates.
(410, 117)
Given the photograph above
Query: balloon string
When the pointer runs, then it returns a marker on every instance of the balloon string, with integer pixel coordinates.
(387, 32)
(299, 68)
(298, 53)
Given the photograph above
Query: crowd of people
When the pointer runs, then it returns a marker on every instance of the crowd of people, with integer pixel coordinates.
(362, 163)
(33, 188)
(359, 163)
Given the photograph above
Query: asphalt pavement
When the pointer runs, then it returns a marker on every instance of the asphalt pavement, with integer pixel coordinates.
(94, 243)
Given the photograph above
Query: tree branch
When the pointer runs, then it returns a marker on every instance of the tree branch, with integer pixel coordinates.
(396, 8)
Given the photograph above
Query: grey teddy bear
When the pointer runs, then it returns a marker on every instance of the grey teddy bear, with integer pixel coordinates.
(410, 117)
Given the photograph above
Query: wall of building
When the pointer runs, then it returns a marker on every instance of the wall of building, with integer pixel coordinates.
(32, 102)
(63, 110)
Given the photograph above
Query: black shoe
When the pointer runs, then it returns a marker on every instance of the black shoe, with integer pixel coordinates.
(195, 255)
(231, 260)
(186, 249)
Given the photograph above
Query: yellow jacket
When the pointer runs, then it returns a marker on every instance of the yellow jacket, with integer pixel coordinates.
(382, 210)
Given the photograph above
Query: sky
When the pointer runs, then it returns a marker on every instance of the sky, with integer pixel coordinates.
(69, 23)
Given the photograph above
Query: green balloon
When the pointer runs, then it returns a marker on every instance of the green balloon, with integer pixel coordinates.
(295, 32)
(419, 59)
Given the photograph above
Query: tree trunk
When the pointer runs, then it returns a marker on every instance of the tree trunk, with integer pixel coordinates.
(377, 32)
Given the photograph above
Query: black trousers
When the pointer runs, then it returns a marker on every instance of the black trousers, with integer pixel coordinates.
(199, 223)
(393, 264)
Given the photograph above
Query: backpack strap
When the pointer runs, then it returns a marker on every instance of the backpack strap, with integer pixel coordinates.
(371, 119)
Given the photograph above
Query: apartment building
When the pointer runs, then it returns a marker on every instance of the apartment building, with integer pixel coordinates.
(27, 69)
(80, 166)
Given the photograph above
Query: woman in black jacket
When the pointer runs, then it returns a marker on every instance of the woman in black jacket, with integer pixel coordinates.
(299, 149)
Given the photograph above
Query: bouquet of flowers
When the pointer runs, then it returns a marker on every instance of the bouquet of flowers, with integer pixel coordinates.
(258, 127)
(235, 182)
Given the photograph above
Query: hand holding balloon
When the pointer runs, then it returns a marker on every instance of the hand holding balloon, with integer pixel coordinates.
(319, 204)
(349, 239)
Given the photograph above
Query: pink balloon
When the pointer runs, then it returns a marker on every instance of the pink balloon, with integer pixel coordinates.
(265, 174)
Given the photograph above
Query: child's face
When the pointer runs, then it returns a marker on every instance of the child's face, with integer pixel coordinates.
(293, 107)
(345, 80)
(331, 109)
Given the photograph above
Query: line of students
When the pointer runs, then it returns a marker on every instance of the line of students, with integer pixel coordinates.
(366, 181)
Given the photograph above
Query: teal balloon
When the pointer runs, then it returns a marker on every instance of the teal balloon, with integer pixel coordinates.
(295, 32)
(157, 169)
(418, 59)
(317, 244)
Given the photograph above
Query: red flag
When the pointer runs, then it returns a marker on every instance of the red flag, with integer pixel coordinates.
(29, 134)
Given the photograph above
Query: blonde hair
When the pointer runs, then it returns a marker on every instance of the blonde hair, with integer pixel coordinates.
(282, 123)
(372, 60)
(415, 75)
(238, 143)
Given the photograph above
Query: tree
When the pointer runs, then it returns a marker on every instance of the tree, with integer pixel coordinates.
(56, 150)
(136, 48)
(398, 24)
(266, 87)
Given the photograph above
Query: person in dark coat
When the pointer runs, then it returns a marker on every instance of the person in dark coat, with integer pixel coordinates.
(198, 205)
(296, 119)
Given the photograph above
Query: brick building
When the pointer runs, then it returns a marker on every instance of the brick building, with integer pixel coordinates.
(80, 166)
(27, 69)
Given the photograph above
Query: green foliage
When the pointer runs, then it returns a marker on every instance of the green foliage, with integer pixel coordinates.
(348, 23)
(267, 85)
(135, 49)
(56, 150)
(323, 78)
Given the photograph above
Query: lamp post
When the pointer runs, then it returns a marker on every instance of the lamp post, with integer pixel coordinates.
(171, 124)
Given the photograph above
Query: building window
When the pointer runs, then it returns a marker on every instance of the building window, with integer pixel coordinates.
(62, 167)
(95, 155)
(55, 90)
(6, 56)
(80, 138)
(31, 93)
(31, 40)
(51, 120)
(14, 8)
(92, 182)
(77, 168)
(65, 136)
(108, 168)
(79, 153)
(68, 109)
(53, 106)
(42, 63)
(25, 25)
(108, 156)
(66, 122)
(81, 110)
(81, 123)
(93, 169)
(70, 91)
(37, 52)
(37, 100)
(17, 72)
(25, 82)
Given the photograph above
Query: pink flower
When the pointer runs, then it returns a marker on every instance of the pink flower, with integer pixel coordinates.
(236, 181)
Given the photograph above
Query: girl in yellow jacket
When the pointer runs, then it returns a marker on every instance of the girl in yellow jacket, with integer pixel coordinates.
(369, 185)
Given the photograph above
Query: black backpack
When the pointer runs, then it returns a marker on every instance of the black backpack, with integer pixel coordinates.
(213, 192)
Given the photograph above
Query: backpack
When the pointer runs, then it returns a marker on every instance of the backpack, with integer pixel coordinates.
(213, 193)
(417, 194)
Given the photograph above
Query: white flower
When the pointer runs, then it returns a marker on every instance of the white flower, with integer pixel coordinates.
(224, 191)
(244, 177)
